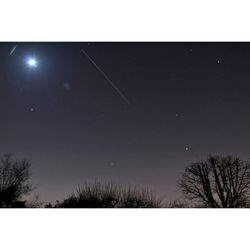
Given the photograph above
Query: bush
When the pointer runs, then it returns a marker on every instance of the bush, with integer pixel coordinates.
(138, 198)
(109, 195)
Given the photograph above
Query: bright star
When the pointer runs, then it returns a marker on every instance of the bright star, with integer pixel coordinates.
(31, 62)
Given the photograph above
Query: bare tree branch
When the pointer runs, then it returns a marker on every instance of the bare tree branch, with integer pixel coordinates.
(218, 182)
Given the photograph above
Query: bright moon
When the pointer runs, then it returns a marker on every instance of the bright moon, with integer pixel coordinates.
(32, 62)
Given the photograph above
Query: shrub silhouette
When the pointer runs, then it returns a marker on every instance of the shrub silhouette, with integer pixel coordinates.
(93, 196)
(138, 198)
(178, 204)
(34, 202)
(108, 195)
(14, 176)
(221, 181)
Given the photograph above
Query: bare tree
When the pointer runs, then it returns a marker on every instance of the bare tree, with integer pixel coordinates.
(14, 176)
(218, 182)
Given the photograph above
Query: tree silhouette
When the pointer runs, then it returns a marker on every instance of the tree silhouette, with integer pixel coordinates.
(218, 182)
(13, 181)
(108, 195)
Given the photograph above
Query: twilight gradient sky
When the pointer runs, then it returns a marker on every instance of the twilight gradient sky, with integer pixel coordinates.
(187, 100)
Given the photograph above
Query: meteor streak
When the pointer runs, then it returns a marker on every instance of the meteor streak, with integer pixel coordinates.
(118, 91)
(13, 50)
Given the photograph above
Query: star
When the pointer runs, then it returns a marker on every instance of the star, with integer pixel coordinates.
(187, 148)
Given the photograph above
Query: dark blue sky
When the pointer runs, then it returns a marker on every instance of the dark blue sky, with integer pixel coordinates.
(187, 100)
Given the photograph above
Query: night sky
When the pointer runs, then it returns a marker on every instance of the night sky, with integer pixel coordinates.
(185, 101)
